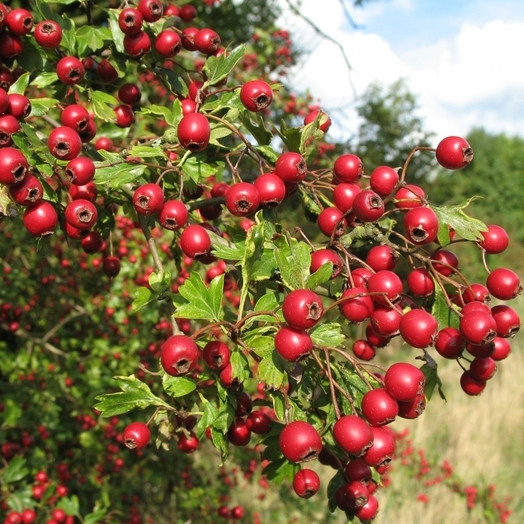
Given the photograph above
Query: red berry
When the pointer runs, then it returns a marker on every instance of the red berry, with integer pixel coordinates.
(291, 167)
(379, 407)
(356, 304)
(194, 132)
(64, 143)
(195, 241)
(353, 434)
(299, 441)
(503, 283)
(383, 180)
(13, 166)
(70, 70)
(216, 354)
(421, 225)
(148, 199)
(450, 343)
(344, 195)
(471, 385)
(418, 328)
(293, 344)
(256, 95)
(137, 44)
(420, 282)
(348, 168)
(173, 215)
(136, 435)
(242, 199)
(325, 256)
(454, 152)
(409, 196)
(207, 41)
(81, 213)
(168, 43)
(40, 219)
(302, 308)
(331, 221)
(130, 21)
(271, 189)
(404, 381)
(368, 206)
(19, 21)
(152, 10)
(495, 239)
(179, 355)
(80, 170)
(306, 483)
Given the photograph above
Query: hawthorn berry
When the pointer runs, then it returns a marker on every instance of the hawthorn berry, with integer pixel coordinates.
(136, 435)
(13, 165)
(40, 219)
(353, 434)
(348, 168)
(242, 199)
(418, 328)
(168, 43)
(306, 483)
(302, 308)
(326, 256)
(331, 221)
(195, 241)
(81, 213)
(64, 143)
(80, 170)
(178, 355)
(173, 215)
(454, 152)
(27, 192)
(368, 206)
(70, 70)
(194, 132)
(299, 441)
(403, 381)
(256, 95)
(291, 167)
(293, 344)
(271, 189)
(148, 199)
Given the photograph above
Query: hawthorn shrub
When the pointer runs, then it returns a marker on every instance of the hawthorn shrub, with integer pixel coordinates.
(192, 277)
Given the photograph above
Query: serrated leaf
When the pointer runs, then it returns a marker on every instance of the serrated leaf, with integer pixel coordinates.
(268, 153)
(70, 505)
(465, 226)
(210, 414)
(262, 345)
(167, 114)
(200, 302)
(45, 79)
(432, 381)
(271, 371)
(309, 132)
(223, 248)
(20, 85)
(134, 394)
(178, 386)
(279, 406)
(41, 106)
(89, 36)
(142, 297)
(102, 103)
(280, 470)
(445, 316)
(293, 261)
(172, 79)
(255, 125)
(95, 517)
(320, 276)
(291, 136)
(160, 281)
(267, 302)
(118, 175)
(15, 471)
(217, 132)
(147, 152)
(240, 366)
(32, 57)
(195, 168)
(217, 68)
(328, 335)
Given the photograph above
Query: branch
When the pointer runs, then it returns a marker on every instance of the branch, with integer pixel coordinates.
(326, 36)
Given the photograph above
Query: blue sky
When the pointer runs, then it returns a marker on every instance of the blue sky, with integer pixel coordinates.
(464, 60)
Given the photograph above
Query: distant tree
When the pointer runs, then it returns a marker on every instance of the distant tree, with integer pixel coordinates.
(390, 128)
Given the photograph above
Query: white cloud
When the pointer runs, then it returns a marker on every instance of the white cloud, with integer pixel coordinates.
(473, 77)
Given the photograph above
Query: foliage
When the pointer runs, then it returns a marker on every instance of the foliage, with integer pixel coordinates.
(91, 315)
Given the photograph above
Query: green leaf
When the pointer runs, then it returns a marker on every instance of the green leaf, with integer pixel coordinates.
(160, 281)
(268, 153)
(262, 345)
(320, 276)
(271, 370)
(70, 505)
(178, 386)
(201, 302)
(279, 405)
(465, 226)
(292, 137)
(210, 414)
(223, 248)
(32, 57)
(293, 261)
(171, 116)
(15, 471)
(217, 68)
(267, 302)
(217, 132)
(142, 297)
(101, 107)
(433, 381)
(119, 174)
(95, 517)
(255, 125)
(20, 85)
(45, 79)
(195, 168)
(147, 152)
(445, 316)
(134, 394)
(239, 363)
(281, 470)
(172, 79)
(41, 106)
(309, 132)
(328, 335)
(91, 37)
